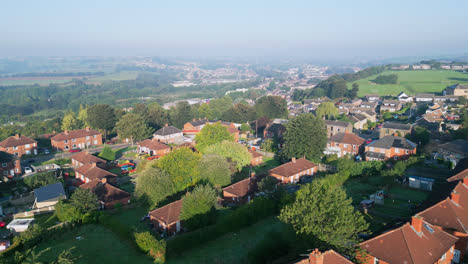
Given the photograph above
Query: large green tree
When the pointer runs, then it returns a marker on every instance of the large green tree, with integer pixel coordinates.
(205, 111)
(153, 186)
(271, 107)
(84, 200)
(215, 170)
(181, 114)
(233, 152)
(198, 207)
(239, 113)
(157, 117)
(324, 215)
(182, 166)
(101, 116)
(305, 136)
(133, 126)
(212, 134)
(327, 110)
(69, 122)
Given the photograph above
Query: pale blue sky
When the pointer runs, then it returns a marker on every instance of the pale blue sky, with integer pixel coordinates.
(315, 29)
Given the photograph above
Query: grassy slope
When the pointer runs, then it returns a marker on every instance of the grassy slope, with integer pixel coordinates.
(98, 245)
(412, 82)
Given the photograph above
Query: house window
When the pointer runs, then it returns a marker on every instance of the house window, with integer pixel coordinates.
(95, 142)
(28, 146)
(406, 151)
(15, 147)
(4, 164)
(376, 261)
(354, 146)
(74, 140)
(16, 170)
(66, 147)
(443, 257)
(345, 145)
(5, 173)
(87, 137)
(397, 150)
(74, 145)
(66, 141)
(372, 149)
(95, 136)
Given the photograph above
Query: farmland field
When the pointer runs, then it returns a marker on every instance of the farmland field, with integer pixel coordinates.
(412, 82)
(119, 76)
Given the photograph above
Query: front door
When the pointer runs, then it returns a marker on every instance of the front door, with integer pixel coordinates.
(456, 256)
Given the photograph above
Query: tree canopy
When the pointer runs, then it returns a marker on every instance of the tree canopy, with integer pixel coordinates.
(212, 134)
(69, 122)
(305, 136)
(133, 126)
(327, 110)
(231, 151)
(182, 166)
(215, 170)
(198, 206)
(107, 153)
(153, 186)
(271, 107)
(101, 116)
(323, 214)
(84, 200)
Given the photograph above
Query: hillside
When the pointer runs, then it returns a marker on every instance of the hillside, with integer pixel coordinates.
(411, 82)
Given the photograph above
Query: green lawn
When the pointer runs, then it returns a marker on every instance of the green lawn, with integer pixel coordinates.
(120, 76)
(412, 82)
(97, 245)
(132, 217)
(128, 187)
(230, 248)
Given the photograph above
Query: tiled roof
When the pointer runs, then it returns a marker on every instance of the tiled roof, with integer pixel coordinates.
(336, 123)
(393, 125)
(167, 130)
(448, 215)
(92, 172)
(389, 142)
(7, 157)
(405, 245)
(80, 133)
(329, 257)
(85, 158)
(198, 122)
(48, 192)
(459, 176)
(242, 188)
(168, 214)
(153, 145)
(291, 168)
(105, 191)
(17, 140)
(347, 138)
(459, 146)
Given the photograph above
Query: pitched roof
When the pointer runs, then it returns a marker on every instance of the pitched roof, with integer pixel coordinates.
(291, 168)
(389, 142)
(17, 140)
(448, 215)
(167, 130)
(329, 257)
(337, 123)
(359, 117)
(393, 125)
(241, 188)
(459, 176)
(459, 146)
(80, 133)
(7, 157)
(84, 158)
(168, 214)
(405, 245)
(105, 191)
(347, 138)
(153, 145)
(92, 172)
(48, 192)
(198, 122)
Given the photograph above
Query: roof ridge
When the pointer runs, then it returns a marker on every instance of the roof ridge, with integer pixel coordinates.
(406, 243)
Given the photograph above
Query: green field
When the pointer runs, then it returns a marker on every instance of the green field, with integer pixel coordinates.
(412, 82)
(119, 76)
(93, 244)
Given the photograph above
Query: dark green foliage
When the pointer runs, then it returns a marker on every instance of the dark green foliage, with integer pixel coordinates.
(152, 246)
(66, 257)
(84, 200)
(420, 135)
(153, 186)
(198, 207)
(305, 137)
(212, 134)
(101, 116)
(133, 126)
(215, 170)
(267, 184)
(107, 153)
(40, 179)
(67, 212)
(274, 245)
(239, 113)
(182, 166)
(386, 79)
(271, 107)
(335, 86)
(181, 114)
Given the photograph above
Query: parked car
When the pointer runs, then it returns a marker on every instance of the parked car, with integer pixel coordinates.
(27, 170)
(74, 150)
(46, 151)
(368, 141)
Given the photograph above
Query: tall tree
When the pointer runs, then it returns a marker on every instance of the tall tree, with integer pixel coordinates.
(205, 111)
(101, 116)
(198, 207)
(354, 91)
(219, 106)
(212, 134)
(271, 107)
(182, 165)
(305, 136)
(181, 114)
(157, 116)
(239, 113)
(233, 152)
(215, 169)
(69, 122)
(327, 110)
(84, 200)
(83, 117)
(323, 215)
(153, 186)
(133, 126)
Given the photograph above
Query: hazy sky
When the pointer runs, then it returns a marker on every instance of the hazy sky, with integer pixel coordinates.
(316, 29)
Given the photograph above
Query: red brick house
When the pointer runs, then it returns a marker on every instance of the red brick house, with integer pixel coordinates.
(451, 215)
(76, 139)
(292, 171)
(81, 158)
(167, 218)
(89, 172)
(343, 144)
(153, 148)
(390, 147)
(336, 126)
(195, 126)
(240, 192)
(257, 158)
(413, 243)
(327, 257)
(19, 145)
(107, 194)
(10, 164)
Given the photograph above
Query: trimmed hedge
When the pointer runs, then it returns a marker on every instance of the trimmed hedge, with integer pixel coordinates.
(152, 246)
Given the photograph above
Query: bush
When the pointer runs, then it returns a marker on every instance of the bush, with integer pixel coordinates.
(107, 153)
(150, 245)
(386, 79)
(67, 213)
(41, 179)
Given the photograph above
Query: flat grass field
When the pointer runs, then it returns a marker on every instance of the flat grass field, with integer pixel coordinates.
(412, 82)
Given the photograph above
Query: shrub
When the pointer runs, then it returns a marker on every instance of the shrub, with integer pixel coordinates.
(40, 179)
(107, 153)
(150, 245)
(67, 213)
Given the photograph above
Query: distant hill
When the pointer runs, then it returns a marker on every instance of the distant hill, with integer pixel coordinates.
(411, 82)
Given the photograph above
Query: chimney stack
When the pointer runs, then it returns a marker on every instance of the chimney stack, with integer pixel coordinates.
(166, 125)
(455, 197)
(417, 223)
(104, 180)
(66, 132)
(293, 160)
(87, 128)
(17, 136)
(93, 164)
(316, 257)
(252, 174)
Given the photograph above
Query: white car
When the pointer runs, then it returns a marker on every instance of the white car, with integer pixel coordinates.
(27, 170)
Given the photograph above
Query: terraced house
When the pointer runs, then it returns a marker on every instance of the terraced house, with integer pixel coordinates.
(343, 144)
(19, 145)
(390, 147)
(395, 129)
(76, 139)
(292, 171)
(336, 126)
(10, 164)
